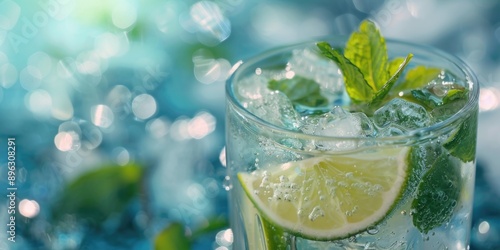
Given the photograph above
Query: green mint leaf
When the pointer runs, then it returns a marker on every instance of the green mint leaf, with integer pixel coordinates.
(97, 194)
(395, 64)
(367, 50)
(417, 78)
(463, 143)
(172, 237)
(437, 194)
(454, 94)
(382, 93)
(356, 86)
(300, 90)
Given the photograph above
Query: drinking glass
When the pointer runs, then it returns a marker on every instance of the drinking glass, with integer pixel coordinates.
(280, 175)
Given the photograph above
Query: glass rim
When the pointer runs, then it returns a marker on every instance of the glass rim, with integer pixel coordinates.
(471, 79)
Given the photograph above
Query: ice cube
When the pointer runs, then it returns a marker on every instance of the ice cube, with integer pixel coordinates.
(308, 63)
(275, 108)
(337, 123)
(403, 114)
(251, 88)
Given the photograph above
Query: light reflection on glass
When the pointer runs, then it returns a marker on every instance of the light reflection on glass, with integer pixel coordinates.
(29, 208)
(201, 125)
(101, 116)
(222, 157)
(144, 106)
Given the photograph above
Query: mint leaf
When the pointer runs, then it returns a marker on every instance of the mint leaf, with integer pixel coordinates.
(395, 64)
(97, 194)
(356, 86)
(172, 237)
(463, 143)
(454, 94)
(417, 78)
(300, 90)
(382, 93)
(367, 50)
(437, 194)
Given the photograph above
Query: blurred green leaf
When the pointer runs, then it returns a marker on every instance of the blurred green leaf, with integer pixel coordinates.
(172, 237)
(213, 224)
(100, 193)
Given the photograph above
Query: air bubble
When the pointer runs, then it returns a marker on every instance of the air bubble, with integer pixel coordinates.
(316, 212)
(283, 179)
(227, 183)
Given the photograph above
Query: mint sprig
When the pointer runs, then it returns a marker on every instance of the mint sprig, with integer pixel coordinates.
(368, 74)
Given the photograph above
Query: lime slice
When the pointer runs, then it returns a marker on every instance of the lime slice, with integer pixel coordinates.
(329, 197)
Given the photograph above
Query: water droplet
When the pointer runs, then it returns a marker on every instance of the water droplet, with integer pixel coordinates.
(227, 183)
(372, 230)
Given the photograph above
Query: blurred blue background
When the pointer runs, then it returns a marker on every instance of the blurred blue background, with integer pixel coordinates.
(117, 108)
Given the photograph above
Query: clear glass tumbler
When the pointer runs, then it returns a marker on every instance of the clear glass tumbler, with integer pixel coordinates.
(390, 189)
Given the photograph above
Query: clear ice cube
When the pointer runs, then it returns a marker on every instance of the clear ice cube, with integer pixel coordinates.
(275, 108)
(401, 114)
(308, 63)
(337, 123)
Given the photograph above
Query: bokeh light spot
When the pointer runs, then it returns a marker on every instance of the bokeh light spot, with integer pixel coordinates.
(158, 127)
(9, 14)
(30, 78)
(121, 156)
(144, 106)
(107, 45)
(489, 99)
(42, 62)
(210, 20)
(8, 75)
(484, 227)
(201, 125)
(40, 102)
(66, 141)
(224, 238)
(124, 15)
(102, 116)
(29, 208)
